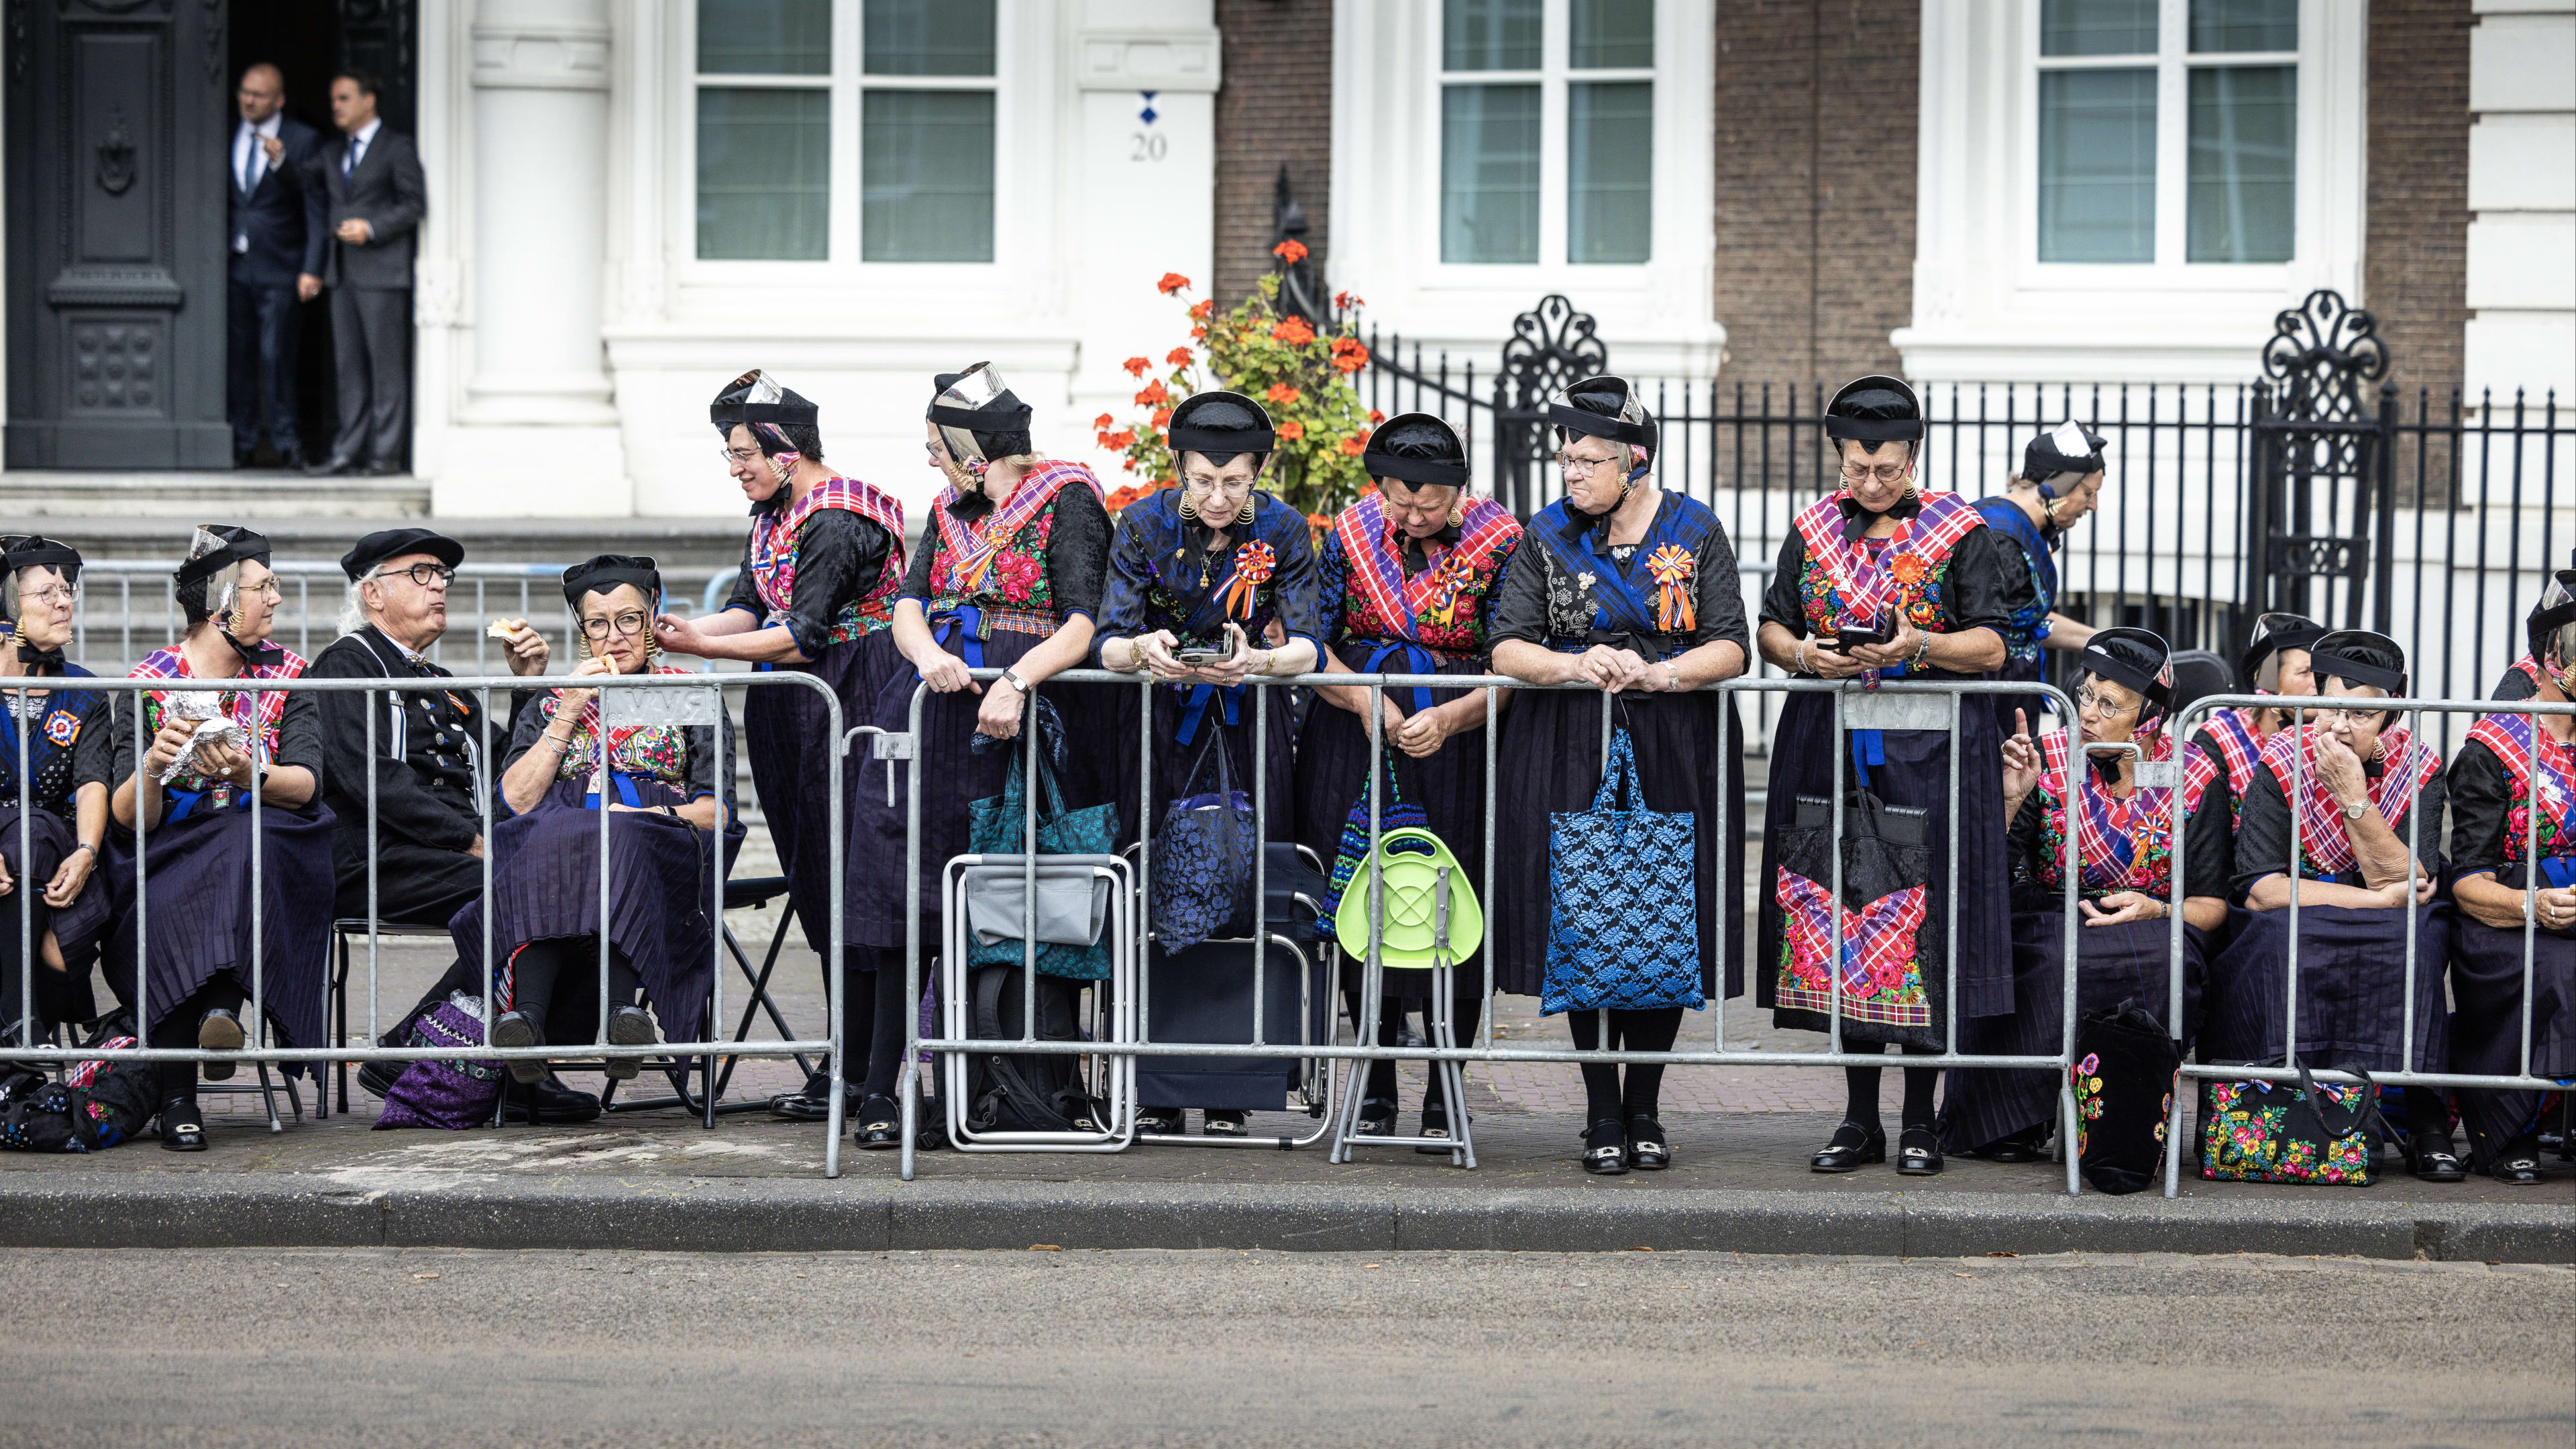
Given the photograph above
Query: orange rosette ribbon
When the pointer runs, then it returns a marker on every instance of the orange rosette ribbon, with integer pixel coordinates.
(1252, 565)
(1671, 567)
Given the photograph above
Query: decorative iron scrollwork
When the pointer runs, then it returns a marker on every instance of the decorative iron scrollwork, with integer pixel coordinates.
(214, 39)
(116, 155)
(2320, 354)
(1551, 345)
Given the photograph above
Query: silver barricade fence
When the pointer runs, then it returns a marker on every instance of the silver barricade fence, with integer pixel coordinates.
(2186, 725)
(625, 700)
(1898, 706)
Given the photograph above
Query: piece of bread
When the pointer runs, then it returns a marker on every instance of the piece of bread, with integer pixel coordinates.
(504, 628)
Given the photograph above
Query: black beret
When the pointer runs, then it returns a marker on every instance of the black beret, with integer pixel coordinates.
(387, 543)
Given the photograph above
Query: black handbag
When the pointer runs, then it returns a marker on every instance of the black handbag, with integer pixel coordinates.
(1889, 911)
(2124, 1083)
(1202, 866)
(2317, 1132)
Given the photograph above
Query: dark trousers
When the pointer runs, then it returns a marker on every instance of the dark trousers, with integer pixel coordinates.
(416, 885)
(261, 328)
(371, 350)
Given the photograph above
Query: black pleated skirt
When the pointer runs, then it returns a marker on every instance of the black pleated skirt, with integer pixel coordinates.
(545, 887)
(76, 927)
(786, 733)
(2486, 1028)
(195, 914)
(2352, 989)
(1550, 761)
(1916, 774)
(1332, 774)
(2112, 965)
(954, 776)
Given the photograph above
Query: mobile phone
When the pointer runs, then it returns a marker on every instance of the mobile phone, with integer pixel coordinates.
(1196, 657)
(1847, 640)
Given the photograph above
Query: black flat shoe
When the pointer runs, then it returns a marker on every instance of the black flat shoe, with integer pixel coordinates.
(1162, 1122)
(218, 1031)
(813, 1102)
(548, 1100)
(516, 1029)
(1435, 1123)
(1377, 1118)
(2432, 1161)
(1918, 1152)
(182, 1129)
(1851, 1148)
(629, 1026)
(1646, 1149)
(1605, 1148)
(2522, 1170)
(880, 1125)
(1222, 1122)
(2029, 1146)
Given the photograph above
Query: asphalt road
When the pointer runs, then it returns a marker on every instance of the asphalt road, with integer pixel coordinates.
(1151, 1348)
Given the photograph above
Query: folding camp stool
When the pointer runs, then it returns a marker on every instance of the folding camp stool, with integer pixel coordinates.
(754, 894)
(1441, 1018)
(1115, 1002)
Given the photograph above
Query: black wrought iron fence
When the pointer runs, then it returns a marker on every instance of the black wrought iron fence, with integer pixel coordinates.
(2319, 489)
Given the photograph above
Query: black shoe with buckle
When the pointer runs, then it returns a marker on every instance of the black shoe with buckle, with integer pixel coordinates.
(182, 1129)
(629, 1026)
(2431, 1160)
(2518, 1172)
(1377, 1118)
(1223, 1122)
(2027, 1145)
(1162, 1122)
(814, 1102)
(1647, 1151)
(219, 1031)
(547, 1101)
(1435, 1123)
(518, 1029)
(1851, 1148)
(1605, 1148)
(880, 1125)
(1918, 1152)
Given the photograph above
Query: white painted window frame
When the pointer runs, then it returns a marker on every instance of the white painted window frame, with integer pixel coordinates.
(1553, 78)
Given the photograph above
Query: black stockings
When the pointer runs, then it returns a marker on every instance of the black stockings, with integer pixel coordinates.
(557, 981)
(1862, 1085)
(1606, 1098)
(1464, 1010)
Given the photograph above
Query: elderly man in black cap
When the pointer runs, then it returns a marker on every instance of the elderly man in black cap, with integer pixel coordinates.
(427, 750)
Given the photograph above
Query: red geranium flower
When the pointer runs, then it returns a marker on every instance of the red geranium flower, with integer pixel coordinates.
(1125, 494)
(1291, 251)
(1172, 282)
(1122, 439)
(1344, 301)
(1292, 430)
(1281, 392)
(1348, 355)
(1178, 357)
(1199, 310)
(1162, 416)
(1154, 393)
(1136, 366)
(1103, 421)
(1376, 417)
(1294, 332)
(1198, 332)
(1355, 444)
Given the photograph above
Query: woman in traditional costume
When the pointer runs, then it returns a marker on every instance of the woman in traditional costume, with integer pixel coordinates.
(820, 572)
(1408, 574)
(1206, 569)
(69, 750)
(2513, 817)
(1632, 589)
(208, 744)
(1878, 580)
(2070, 780)
(2331, 822)
(2059, 485)
(669, 793)
(1007, 577)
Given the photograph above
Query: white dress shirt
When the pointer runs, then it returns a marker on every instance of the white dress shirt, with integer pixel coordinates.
(359, 140)
(250, 162)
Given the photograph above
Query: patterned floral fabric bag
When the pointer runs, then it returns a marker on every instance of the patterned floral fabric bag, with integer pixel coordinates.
(1889, 915)
(2124, 1083)
(451, 1094)
(1202, 867)
(2266, 1132)
(1623, 900)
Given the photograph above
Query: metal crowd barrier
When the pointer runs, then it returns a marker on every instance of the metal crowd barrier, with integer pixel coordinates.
(625, 700)
(1897, 706)
(2186, 725)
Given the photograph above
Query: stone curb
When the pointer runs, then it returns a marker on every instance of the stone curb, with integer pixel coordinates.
(810, 1215)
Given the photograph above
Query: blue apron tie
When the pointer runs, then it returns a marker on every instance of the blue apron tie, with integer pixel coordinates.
(1868, 747)
(1417, 660)
(1195, 707)
(625, 791)
(973, 619)
(188, 800)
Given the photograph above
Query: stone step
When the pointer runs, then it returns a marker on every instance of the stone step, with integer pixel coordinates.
(194, 497)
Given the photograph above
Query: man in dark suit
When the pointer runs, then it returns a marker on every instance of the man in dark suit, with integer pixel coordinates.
(372, 183)
(276, 240)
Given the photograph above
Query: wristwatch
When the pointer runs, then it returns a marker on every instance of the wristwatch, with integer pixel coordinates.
(1673, 673)
(1011, 677)
(2353, 810)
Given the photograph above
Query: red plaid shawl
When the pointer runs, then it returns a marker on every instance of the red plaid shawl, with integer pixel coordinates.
(967, 547)
(1401, 604)
(2526, 750)
(2120, 845)
(773, 548)
(2240, 748)
(1872, 586)
(2320, 822)
(257, 713)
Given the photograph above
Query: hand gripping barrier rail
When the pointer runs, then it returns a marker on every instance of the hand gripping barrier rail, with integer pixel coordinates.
(1898, 706)
(626, 700)
(2187, 725)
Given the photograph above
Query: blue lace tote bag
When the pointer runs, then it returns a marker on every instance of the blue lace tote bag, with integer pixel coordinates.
(1202, 866)
(1623, 900)
(997, 824)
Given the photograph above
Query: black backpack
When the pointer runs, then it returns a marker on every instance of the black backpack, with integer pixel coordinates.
(1024, 1092)
(96, 1105)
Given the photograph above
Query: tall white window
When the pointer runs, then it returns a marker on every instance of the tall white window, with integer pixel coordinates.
(2168, 131)
(917, 77)
(1546, 131)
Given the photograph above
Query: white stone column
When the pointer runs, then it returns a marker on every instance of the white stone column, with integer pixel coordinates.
(2522, 203)
(537, 435)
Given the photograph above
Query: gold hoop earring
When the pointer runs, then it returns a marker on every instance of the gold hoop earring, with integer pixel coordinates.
(1458, 513)
(1188, 506)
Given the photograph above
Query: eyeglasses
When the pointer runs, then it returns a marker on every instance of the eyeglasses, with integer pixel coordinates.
(738, 455)
(2329, 715)
(55, 596)
(423, 574)
(1883, 472)
(2094, 702)
(1574, 467)
(268, 586)
(627, 624)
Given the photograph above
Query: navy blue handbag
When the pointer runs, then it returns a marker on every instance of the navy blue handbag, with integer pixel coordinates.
(1623, 900)
(1202, 867)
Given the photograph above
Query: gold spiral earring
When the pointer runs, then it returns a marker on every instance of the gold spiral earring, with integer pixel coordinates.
(1244, 519)
(1189, 506)
(1458, 512)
